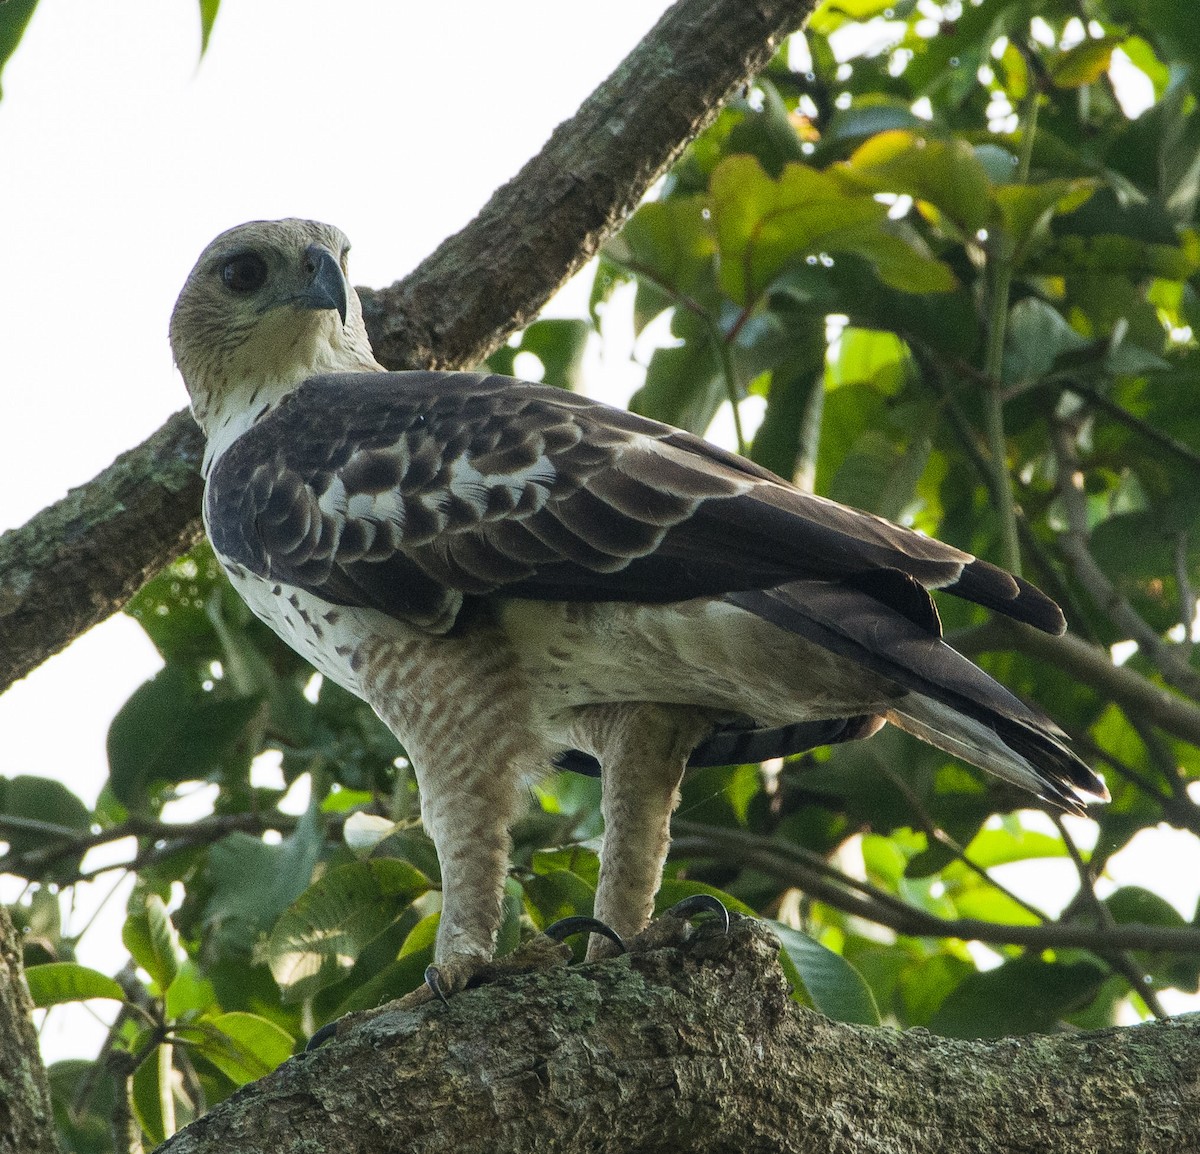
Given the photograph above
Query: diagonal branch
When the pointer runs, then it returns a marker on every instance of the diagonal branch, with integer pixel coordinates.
(81, 559)
(821, 881)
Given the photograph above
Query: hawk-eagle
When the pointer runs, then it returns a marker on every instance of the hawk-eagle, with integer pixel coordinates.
(517, 578)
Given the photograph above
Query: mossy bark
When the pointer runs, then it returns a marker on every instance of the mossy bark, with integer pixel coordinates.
(26, 1120)
(700, 1048)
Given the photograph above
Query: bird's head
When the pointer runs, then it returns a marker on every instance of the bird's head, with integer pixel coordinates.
(267, 306)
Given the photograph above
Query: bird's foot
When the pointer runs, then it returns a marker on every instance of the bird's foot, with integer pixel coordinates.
(672, 927)
(543, 951)
(675, 924)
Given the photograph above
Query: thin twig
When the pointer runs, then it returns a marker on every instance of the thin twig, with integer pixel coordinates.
(935, 833)
(1131, 421)
(1074, 543)
(862, 900)
(1121, 960)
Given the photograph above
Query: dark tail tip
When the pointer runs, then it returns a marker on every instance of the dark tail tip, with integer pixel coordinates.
(995, 588)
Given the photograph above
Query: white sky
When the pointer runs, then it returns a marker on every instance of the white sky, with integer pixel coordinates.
(122, 157)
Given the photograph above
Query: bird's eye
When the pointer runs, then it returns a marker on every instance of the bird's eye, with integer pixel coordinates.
(244, 273)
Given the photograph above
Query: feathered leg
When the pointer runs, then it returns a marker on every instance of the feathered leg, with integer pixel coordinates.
(642, 751)
(471, 752)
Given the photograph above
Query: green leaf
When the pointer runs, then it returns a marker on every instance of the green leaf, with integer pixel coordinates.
(244, 1047)
(208, 17)
(81, 1093)
(59, 813)
(190, 992)
(1084, 64)
(1022, 996)
(152, 941)
(944, 173)
(764, 225)
(555, 894)
(671, 242)
(14, 19)
(992, 847)
(559, 346)
(1026, 209)
(684, 385)
(57, 982)
(318, 938)
(145, 1096)
(869, 118)
(836, 988)
(1036, 336)
(1139, 905)
(250, 882)
(171, 730)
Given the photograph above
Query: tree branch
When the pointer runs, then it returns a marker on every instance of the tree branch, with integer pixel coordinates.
(650, 1052)
(165, 838)
(26, 1119)
(821, 881)
(1091, 665)
(1074, 543)
(81, 559)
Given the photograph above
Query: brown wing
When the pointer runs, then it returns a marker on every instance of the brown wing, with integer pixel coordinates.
(408, 491)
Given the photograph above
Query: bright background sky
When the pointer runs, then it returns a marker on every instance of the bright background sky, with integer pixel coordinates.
(123, 156)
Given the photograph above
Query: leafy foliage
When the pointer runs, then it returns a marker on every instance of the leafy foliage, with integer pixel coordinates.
(953, 283)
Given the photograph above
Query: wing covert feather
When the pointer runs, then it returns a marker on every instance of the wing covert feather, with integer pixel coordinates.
(407, 491)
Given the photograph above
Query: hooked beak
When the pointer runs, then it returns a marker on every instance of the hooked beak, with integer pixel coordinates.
(326, 288)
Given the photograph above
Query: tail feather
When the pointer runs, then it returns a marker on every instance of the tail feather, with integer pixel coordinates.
(1034, 761)
(952, 703)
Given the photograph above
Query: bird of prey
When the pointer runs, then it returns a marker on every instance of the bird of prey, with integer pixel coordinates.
(516, 577)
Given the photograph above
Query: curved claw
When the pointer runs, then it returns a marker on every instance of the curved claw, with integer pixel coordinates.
(701, 904)
(433, 979)
(329, 1030)
(578, 924)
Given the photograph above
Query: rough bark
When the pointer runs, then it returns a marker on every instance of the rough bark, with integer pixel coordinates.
(78, 561)
(701, 1049)
(26, 1119)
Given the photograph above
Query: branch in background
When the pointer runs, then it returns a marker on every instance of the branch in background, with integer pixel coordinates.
(860, 899)
(81, 559)
(1074, 544)
(1122, 961)
(1119, 413)
(937, 835)
(165, 838)
(1186, 593)
(1091, 665)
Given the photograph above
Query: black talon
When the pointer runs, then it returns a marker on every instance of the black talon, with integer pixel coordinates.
(577, 924)
(434, 982)
(322, 1036)
(701, 904)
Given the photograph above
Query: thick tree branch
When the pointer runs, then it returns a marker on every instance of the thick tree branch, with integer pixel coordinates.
(701, 1049)
(78, 561)
(26, 1121)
